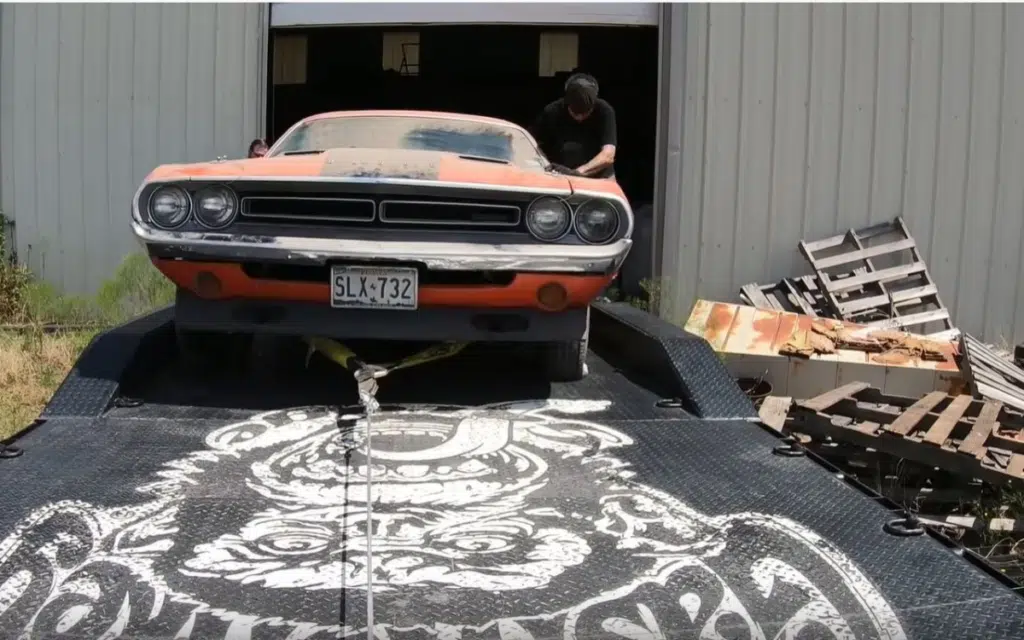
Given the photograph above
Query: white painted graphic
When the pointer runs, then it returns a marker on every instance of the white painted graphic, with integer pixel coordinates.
(509, 522)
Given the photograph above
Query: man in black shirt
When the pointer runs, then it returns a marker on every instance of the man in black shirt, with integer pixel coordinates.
(578, 129)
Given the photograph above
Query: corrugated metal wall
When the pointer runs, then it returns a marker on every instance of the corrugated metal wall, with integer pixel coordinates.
(801, 121)
(93, 96)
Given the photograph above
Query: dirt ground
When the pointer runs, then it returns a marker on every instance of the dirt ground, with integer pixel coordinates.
(32, 366)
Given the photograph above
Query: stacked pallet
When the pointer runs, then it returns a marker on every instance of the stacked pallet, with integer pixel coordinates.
(988, 375)
(795, 295)
(873, 276)
(955, 433)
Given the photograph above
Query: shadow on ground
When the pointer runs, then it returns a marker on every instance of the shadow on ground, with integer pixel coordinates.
(280, 377)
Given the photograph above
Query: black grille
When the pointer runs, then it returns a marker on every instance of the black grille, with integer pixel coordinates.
(304, 209)
(470, 214)
(385, 211)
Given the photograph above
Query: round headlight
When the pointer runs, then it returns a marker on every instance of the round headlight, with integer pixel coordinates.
(169, 207)
(597, 221)
(548, 218)
(216, 207)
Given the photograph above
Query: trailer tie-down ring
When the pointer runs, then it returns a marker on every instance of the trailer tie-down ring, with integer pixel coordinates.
(790, 448)
(907, 526)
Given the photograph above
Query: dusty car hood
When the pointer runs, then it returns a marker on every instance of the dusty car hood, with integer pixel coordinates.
(370, 163)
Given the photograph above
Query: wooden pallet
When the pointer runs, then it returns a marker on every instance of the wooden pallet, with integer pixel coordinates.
(794, 295)
(990, 376)
(803, 295)
(903, 483)
(958, 434)
(898, 296)
(994, 525)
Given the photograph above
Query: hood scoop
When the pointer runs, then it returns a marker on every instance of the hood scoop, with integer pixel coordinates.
(483, 159)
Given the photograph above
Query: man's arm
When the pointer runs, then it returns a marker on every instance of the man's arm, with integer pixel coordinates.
(606, 156)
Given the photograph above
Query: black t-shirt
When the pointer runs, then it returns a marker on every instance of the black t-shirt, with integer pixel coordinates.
(568, 142)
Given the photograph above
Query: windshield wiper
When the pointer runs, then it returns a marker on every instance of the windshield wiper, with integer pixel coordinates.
(308, 152)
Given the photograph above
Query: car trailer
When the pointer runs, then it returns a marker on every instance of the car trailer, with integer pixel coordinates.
(645, 501)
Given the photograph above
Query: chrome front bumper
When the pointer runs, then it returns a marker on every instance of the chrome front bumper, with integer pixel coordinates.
(441, 256)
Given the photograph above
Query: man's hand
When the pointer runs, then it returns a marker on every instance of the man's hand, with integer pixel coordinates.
(564, 170)
(604, 159)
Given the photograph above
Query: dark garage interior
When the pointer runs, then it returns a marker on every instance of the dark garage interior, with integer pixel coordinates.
(499, 71)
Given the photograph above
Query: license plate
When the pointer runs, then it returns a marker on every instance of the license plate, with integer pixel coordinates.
(374, 287)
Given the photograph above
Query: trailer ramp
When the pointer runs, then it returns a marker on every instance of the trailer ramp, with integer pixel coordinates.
(642, 502)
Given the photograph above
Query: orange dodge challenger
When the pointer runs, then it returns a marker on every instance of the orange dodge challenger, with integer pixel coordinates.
(400, 225)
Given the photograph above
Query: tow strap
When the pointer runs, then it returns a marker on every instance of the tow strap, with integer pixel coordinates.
(366, 376)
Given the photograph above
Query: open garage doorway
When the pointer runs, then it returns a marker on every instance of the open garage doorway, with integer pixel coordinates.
(503, 71)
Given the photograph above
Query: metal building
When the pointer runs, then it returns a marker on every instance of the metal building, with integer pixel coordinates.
(775, 123)
(94, 96)
(793, 121)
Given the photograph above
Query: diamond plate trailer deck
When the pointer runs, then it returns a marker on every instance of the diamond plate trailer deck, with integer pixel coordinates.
(150, 505)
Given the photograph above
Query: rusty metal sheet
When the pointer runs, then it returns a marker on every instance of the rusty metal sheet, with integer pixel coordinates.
(741, 329)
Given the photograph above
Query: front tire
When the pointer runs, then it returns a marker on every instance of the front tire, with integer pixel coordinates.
(567, 361)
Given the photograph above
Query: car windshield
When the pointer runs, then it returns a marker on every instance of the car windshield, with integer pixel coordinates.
(465, 137)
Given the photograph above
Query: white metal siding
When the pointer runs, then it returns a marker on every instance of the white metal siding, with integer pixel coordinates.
(94, 96)
(800, 121)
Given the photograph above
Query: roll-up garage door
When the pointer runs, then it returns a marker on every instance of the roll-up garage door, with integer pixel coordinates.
(306, 14)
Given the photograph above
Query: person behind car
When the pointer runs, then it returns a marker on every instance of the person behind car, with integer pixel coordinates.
(258, 148)
(578, 130)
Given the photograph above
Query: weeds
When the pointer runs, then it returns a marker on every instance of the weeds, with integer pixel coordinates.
(136, 288)
(14, 279)
(650, 301)
(43, 332)
(31, 368)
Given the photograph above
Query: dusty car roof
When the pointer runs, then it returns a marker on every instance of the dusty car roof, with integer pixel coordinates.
(389, 129)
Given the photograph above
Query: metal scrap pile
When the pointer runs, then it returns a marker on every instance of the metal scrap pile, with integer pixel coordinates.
(823, 337)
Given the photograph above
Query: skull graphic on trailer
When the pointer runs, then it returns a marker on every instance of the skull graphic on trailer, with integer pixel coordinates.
(490, 502)
(503, 518)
